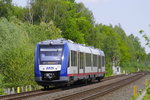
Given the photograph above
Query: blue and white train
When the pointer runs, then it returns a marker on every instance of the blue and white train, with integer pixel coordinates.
(62, 61)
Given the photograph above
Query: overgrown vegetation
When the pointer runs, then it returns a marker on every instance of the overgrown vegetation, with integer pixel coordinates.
(22, 28)
(147, 96)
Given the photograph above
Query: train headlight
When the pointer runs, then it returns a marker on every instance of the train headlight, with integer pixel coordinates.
(62, 57)
(51, 42)
(49, 75)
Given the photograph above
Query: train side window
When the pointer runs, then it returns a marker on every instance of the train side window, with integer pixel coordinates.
(95, 60)
(100, 62)
(88, 59)
(81, 60)
(103, 61)
(73, 58)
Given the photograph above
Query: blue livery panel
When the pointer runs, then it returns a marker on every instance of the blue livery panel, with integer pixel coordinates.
(37, 62)
(65, 60)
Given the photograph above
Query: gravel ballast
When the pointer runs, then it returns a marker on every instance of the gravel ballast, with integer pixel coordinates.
(124, 93)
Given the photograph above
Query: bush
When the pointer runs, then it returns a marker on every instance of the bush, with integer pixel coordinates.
(17, 42)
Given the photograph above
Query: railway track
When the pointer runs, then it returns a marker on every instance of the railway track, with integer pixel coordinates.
(31, 94)
(24, 95)
(91, 94)
(113, 77)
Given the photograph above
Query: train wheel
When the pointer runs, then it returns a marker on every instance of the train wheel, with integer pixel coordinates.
(46, 87)
(68, 84)
(86, 81)
(99, 79)
(90, 80)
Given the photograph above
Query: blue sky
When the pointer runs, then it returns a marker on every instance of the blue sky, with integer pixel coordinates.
(133, 15)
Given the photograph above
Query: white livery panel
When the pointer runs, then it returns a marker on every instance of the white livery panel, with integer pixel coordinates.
(50, 67)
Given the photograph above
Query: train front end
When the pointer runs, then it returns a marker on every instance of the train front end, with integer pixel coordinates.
(51, 63)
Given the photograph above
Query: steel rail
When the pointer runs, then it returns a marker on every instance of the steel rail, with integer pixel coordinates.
(25, 95)
(95, 92)
(112, 88)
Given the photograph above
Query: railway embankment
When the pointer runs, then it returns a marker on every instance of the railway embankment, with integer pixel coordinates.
(127, 92)
(121, 87)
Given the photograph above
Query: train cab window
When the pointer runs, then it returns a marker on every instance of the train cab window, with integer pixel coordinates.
(100, 61)
(95, 60)
(73, 58)
(51, 54)
(103, 61)
(81, 64)
(88, 59)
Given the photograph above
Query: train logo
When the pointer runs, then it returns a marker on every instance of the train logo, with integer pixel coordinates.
(47, 68)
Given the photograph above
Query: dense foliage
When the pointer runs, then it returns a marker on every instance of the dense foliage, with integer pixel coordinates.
(145, 36)
(22, 28)
(147, 95)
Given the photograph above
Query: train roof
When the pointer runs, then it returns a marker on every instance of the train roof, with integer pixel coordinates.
(73, 46)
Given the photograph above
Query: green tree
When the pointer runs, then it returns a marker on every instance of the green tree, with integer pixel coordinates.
(17, 42)
(5, 8)
(15, 54)
(74, 20)
(145, 36)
